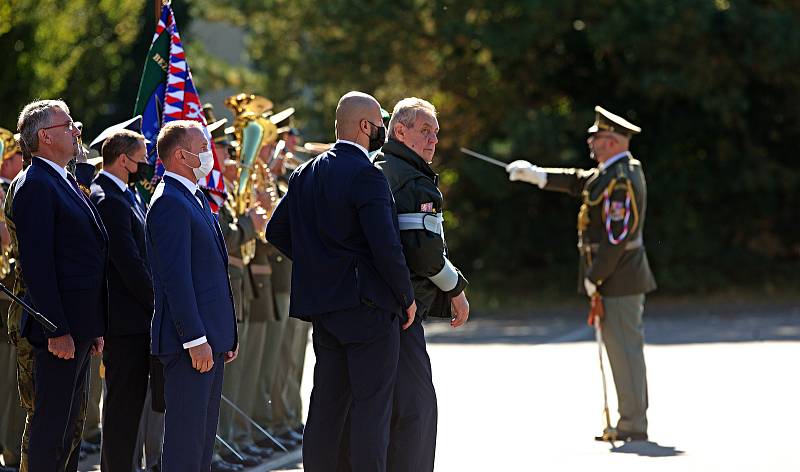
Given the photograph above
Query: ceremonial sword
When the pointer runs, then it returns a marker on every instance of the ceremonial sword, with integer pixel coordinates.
(484, 157)
(38, 316)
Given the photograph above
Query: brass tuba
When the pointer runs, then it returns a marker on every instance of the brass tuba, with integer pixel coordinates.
(253, 130)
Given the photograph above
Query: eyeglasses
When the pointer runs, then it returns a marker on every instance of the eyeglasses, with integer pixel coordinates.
(70, 126)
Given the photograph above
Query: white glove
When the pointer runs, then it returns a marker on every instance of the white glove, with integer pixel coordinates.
(526, 172)
(590, 287)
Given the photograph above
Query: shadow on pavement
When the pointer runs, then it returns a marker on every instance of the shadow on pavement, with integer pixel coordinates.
(647, 449)
(664, 324)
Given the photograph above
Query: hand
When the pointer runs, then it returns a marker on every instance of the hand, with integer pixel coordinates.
(259, 218)
(590, 287)
(231, 355)
(411, 312)
(526, 172)
(277, 168)
(460, 307)
(202, 357)
(264, 198)
(62, 347)
(97, 346)
(5, 236)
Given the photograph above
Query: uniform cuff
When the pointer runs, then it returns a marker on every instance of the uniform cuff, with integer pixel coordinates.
(194, 343)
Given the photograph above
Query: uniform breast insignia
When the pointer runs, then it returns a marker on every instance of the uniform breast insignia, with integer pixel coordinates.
(426, 207)
(616, 211)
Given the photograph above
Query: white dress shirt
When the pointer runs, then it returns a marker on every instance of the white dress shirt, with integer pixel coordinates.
(122, 185)
(363, 149)
(192, 187)
(611, 160)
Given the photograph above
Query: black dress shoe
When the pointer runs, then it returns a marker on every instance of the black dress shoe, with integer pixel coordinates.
(246, 460)
(222, 466)
(624, 436)
(269, 443)
(253, 450)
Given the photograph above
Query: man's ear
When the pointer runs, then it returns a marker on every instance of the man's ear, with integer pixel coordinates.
(44, 137)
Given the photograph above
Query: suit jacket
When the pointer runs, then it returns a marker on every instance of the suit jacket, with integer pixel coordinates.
(339, 225)
(190, 273)
(63, 249)
(130, 286)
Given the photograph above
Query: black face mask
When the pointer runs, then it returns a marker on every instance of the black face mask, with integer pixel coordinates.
(377, 137)
(144, 171)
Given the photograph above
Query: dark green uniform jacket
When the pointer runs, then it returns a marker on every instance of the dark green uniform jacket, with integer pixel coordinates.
(237, 231)
(610, 225)
(415, 190)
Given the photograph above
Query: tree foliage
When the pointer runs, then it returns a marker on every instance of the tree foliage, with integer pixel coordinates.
(712, 83)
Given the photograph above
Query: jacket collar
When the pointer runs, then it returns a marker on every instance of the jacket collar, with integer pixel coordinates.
(405, 153)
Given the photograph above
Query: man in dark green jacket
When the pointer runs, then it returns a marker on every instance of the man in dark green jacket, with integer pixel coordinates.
(438, 286)
(613, 258)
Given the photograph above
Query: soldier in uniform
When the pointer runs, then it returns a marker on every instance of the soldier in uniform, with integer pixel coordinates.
(405, 159)
(11, 412)
(287, 403)
(613, 260)
(269, 263)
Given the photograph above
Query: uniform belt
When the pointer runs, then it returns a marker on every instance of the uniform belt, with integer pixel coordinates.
(629, 246)
(428, 221)
(235, 262)
(260, 269)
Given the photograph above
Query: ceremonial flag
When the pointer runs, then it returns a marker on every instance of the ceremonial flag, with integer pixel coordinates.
(167, 93)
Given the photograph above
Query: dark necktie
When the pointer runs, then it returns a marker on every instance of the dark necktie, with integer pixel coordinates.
(83, 197)
(201, 197)
(135, 204)
(75, 184)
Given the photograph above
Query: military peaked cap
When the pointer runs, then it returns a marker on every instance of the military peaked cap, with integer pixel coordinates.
(606, 121)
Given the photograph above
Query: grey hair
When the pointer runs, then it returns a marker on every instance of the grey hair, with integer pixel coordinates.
(35, 116)
(406, 110)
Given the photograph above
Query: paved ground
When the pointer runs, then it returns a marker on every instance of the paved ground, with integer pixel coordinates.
(523, 393)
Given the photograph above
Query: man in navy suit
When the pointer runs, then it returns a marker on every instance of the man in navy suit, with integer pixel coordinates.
(338, 224)
(130, 297)
(63, 255)
(194, 325)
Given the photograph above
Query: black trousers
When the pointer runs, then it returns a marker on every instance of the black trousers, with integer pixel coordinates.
(60, 389)
(412, 445)
(127, 362)
(354, 377)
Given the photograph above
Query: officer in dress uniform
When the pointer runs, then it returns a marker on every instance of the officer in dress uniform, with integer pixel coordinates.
(613, 260)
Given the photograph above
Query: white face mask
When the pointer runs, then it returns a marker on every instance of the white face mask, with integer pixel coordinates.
(206, 164)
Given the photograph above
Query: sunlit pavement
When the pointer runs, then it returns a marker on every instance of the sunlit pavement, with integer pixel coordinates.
(525, 394)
